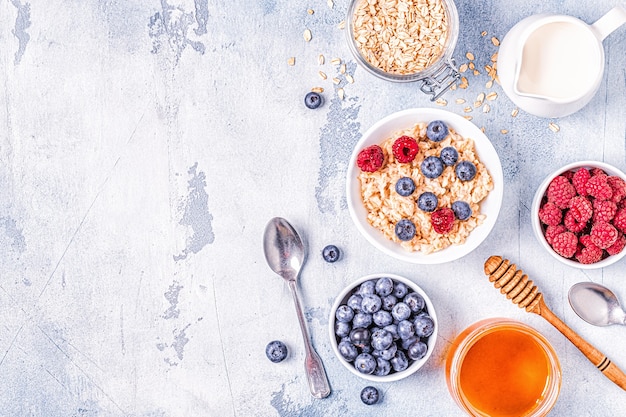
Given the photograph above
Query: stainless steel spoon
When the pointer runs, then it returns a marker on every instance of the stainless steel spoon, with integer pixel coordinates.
(284, 252)
(596, 304)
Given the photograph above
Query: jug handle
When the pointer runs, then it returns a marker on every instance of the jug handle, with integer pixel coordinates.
(615, 18)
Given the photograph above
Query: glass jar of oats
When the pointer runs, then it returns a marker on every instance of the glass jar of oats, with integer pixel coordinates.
(406, 40)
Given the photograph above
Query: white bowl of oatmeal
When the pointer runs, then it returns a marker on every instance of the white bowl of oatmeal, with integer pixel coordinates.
(377, 208)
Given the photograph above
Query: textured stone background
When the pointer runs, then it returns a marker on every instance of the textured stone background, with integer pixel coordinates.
(144, 145)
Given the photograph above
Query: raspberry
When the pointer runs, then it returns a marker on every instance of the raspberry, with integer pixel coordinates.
(572, 224)
(405, 149)
(552, 231)
(598, 187)
(442, 220)
(589, 254)
(618, 186)
(579, 180)
(603, 210)
(550, 214)
(597, 171)
(371, 158)
(560, 191)
(565, 244)
(585, 240)
(619, 221)
(617, 247)
(603, 234)
(580, 208)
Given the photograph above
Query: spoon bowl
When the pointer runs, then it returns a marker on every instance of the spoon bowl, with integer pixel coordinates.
(596, 304)
(285, 254)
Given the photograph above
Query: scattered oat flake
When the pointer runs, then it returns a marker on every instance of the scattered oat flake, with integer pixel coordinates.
(320, 59)
(515, 112)
(469, 56)
(492, 96)
(340, 93)
(310, 11)
(464, 84)
(460, 101)
(494, 57)
(495, 41)
(336, 80)
(307, 35)
(486, 108)
(471, 66)
(335, 61)
(480, 97)
(342, 69)
(317, 89)
(349, 78)
(342, 24)
(441, 102)
(467, 109)
(330, 3)
(477, 104)
(489, 84)
(463, 68)
(554, 127)
(483, 33)
(482, 129)
(291, 61)
(468, 117)
(476, 72)
(322, 75)
(504, 131)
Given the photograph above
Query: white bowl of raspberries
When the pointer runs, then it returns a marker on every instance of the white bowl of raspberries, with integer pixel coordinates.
(383, 327)
(579, 214)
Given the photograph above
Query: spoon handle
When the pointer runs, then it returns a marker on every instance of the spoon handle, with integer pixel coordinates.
(600, 361)
(315, 373)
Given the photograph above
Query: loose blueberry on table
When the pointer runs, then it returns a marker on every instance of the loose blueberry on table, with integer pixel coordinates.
(370, 395)
(312, 100)
(331, 253)
(276, 351)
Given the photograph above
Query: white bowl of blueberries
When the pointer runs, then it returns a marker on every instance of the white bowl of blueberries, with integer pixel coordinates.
(383, 327)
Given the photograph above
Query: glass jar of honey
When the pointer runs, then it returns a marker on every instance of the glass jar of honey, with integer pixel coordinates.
(503, 368)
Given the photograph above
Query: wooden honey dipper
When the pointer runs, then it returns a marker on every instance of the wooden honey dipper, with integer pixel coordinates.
(521, 291)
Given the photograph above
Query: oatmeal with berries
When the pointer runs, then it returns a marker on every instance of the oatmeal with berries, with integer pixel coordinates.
(422, 187)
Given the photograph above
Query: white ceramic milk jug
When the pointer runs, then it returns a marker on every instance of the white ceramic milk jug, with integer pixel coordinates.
(552, 65)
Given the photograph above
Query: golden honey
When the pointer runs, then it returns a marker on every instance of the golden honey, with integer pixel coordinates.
(503, 368)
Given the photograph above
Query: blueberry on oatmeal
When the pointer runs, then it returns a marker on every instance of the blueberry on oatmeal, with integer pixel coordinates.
(461, 210)
(405, 186)
(405, 229)
(465, 170)
(427, 201)
(436, 131)
(449, 155)
(432, 167)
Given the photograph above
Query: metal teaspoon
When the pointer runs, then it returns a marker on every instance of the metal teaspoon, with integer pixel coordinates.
(284, 252)
(596, 304)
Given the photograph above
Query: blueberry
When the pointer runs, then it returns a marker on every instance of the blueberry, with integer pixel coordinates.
(405, 329)
(368, 287)
(424, 325)
(331, 253)
(436, 131)
(417, 350)
(276, 351)
(449, 156)
(365, 363)
(388, 302)
(371, 303)
(388, 353)
(427, 201)
(360, 337)
(399, 362)
(461, 210)
(393, 329)
(344, 313)
(382, 318)
(369, 395)
(381, 339)
(383, 367)
(354, 302)
(400, 290)
(361, 320)
(348, 351)
(465, 170)
(313, 100)
(384, 286)
(406, 343)
(405, 186)
(405, 229)
(415, 302)
(342, 329)
(432, 167)
(401, 311)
